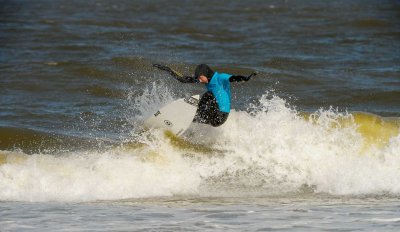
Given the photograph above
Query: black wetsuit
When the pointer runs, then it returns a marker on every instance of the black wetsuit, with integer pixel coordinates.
(208, 111)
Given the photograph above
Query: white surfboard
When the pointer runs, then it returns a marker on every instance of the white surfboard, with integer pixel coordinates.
(176, 116)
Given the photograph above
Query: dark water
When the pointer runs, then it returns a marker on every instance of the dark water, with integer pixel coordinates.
(67, 67)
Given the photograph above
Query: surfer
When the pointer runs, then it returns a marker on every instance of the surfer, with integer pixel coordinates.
(215, 104)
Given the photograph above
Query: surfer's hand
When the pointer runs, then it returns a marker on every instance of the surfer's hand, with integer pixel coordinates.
(248, 78)
(172, 72)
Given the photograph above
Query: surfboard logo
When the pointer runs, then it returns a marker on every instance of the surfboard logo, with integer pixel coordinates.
(192, 101)
(168, 123)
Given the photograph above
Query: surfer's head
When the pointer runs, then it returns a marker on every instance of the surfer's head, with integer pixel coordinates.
(203, 73)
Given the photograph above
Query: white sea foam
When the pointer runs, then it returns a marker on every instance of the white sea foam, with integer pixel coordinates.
(146, 102)
(267, 150)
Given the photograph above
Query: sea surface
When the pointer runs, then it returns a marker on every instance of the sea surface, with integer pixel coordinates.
(312, 142)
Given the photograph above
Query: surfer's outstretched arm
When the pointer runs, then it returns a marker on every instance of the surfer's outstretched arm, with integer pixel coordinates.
(176, 75)
(237, 78)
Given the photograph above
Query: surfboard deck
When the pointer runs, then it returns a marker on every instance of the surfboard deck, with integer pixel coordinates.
(176, 116)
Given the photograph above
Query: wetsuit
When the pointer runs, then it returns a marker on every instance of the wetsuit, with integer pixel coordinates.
(214, 105)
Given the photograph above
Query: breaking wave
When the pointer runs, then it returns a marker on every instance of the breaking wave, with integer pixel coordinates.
(269, 149)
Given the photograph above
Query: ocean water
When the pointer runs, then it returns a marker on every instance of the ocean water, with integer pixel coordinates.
(312, 142)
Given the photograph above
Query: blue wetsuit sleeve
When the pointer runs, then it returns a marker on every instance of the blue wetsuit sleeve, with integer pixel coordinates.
(225, 76)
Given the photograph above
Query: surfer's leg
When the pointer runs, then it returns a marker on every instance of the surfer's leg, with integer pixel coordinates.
(219, 118)
(206, 108)
(208, 111)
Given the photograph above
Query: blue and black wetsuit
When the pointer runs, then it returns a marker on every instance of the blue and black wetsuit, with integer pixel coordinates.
(215, 104)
